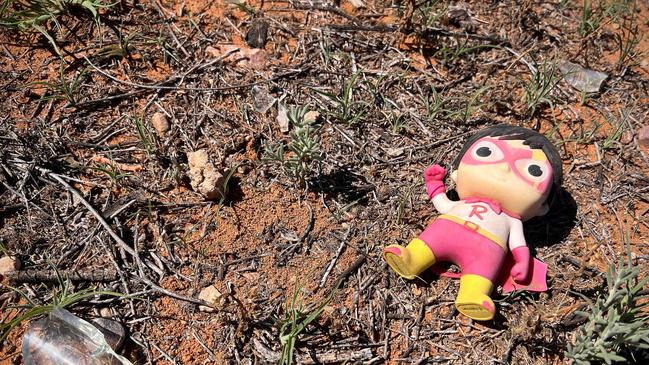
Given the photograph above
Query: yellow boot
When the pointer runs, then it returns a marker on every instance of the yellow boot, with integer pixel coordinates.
(409, 261)
(473, 298)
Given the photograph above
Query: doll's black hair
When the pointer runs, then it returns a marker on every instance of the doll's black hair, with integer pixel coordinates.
(533, 139)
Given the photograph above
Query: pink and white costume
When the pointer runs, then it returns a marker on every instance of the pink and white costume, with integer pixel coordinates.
(472, 234)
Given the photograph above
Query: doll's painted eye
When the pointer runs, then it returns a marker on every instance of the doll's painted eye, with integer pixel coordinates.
(483, 152)
(533, 169)
(486, 151)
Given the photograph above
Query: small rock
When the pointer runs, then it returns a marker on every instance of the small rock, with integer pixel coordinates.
(328, 309)
(203, 176)
(252, 277)
(256, 59)
(626, 137)
(282, 118)
(460, 17)
(643, 136)
(357, 3)
(457, 14)
(213, 52)
(8, 264)
(261, 99)
(416, 291)
(257, 35)
(235, 3)
(106, 312)
(113, 331)
(210, 295)
(580, 78)
(239, 56)
(645, 63)
(160, 123)
(394, 152)
(383, 193)
(311, 117)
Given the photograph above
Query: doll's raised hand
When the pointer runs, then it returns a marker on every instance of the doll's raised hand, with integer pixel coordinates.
(521, 268)
(434, 178)
(434, 173)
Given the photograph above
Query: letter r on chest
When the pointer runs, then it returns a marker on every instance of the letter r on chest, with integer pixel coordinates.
(478, 211)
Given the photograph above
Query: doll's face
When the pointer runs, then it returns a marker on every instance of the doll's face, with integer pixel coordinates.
(509, 172)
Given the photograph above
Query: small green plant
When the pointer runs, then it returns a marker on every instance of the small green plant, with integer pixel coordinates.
(461, 47)
(396, 120)
(403, 203)
(303, 149)
(593, 17)
(62, 299)
(590, 19)
(145, 135)
(345, 108)
(112, 170)
(538, 88)
(325, 52)
(470, 106)
(36, 15)
(588, 136)
(65, 89)
(584, 98)
(243, 6)
(614, 137)
(393, 115)
(627, 40)
(618, 125)
(616, 323)
(296, 318)
(426, 15)
(435, 106)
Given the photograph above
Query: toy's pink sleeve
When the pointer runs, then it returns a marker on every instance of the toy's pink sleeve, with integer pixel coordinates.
(521, 268)
(434, 178)
(520, 251)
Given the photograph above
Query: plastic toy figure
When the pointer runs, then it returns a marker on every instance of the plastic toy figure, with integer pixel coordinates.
(504, 175)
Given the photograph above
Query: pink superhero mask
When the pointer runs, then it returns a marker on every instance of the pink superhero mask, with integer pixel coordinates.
(530, 165)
